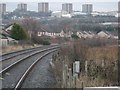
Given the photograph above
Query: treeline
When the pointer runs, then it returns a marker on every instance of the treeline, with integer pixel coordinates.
(94, 27)
(81, 24)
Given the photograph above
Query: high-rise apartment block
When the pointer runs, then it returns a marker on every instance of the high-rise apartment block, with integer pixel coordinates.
(22, 7)
(87, 8)
(119, 7)
(68, 7)
(2, 8)
(43, 7)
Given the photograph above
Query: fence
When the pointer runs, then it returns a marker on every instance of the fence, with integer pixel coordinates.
(71, 79)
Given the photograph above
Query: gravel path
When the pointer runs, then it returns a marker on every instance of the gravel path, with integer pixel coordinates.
(13, 75)
(41, 75)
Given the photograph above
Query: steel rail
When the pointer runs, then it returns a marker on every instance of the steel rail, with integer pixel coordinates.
(21, 80)
(20, 60)
(17, 51)
(20, 51)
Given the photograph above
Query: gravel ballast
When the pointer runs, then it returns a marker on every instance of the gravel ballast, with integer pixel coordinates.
(41, 75)
(13, 75)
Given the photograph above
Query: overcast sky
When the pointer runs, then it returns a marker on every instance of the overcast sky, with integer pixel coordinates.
(59, 0)
(98, 5)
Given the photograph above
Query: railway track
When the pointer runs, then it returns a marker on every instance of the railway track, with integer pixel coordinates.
(12, 58)
(10, 55)
(20, 68)
(22, 79)
(14, 53)
(24, 58)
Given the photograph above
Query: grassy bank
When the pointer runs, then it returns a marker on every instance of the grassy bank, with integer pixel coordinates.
(11, 48)
(102, 60)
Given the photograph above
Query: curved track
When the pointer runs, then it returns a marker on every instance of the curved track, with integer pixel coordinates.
(15, 57)
(22, 79)
(19, 69)
(10, 55)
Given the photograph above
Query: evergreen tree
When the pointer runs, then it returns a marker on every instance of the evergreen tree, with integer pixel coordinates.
(74, 36)
(18, 33)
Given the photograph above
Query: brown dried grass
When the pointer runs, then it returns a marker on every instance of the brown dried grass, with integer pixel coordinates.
(11, 48)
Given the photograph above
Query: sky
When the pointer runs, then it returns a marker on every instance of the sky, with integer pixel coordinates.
(55, 5)
(59, 0)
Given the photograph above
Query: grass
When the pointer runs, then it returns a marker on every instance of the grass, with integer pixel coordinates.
(98, 53)
(99, 74)
(11, 48)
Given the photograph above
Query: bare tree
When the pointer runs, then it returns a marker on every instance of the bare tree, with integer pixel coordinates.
(31, 26)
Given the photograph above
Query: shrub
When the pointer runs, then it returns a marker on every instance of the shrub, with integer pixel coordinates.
(74, 36)
(41, 40)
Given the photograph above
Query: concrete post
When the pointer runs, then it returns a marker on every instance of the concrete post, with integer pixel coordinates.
(76, 77)
(66, 76)
(73, 82)
(70, 78)
(103, 63)
(82, 86)
(86, 67)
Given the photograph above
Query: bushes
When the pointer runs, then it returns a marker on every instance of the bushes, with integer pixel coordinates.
(74, 36)
(41, 40)
(101, 60)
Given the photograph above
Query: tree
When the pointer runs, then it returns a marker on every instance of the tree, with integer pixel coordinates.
(31, 26)
(18, 33)
(74, 36)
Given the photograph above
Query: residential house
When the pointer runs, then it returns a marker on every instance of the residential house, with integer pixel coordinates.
(67, 34)
(55, 34)
(85, 34)
(113, 34)
(9, 28)
(3, 40)
(102, 34)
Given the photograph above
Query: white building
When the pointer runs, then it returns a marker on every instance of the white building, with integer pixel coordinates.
(57, 14)
(55, 34)
(85, 34)
(60, 14)
(9, 28)
(50, 34)
(3, 41)
(102, 34)
(78, 13)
